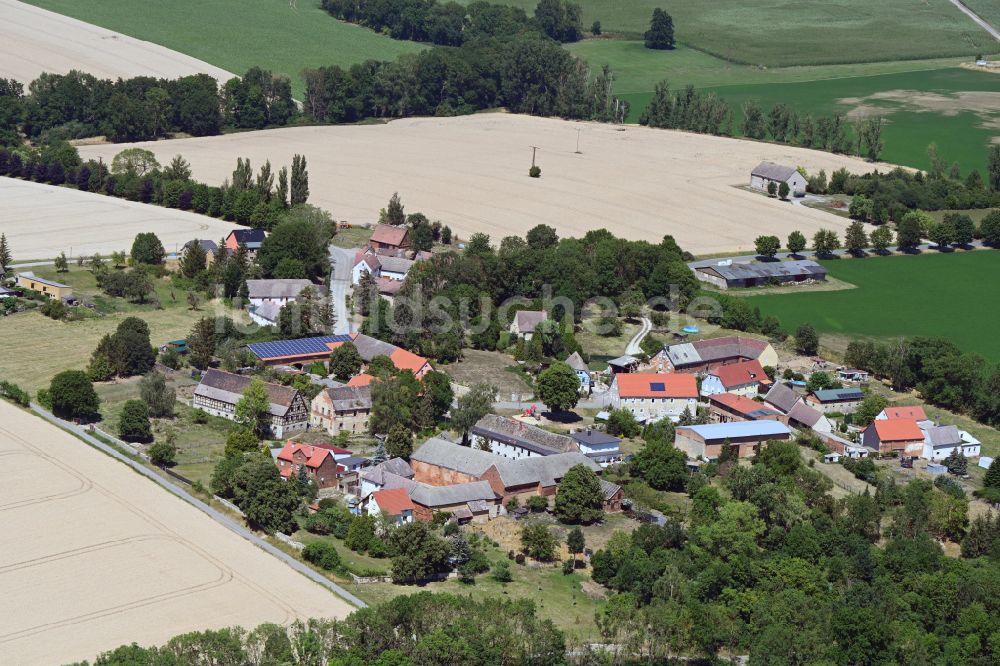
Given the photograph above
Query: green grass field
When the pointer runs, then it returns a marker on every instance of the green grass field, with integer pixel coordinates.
(785, 33)
(988, 10)
(951, 295)
(239, 34)
(955, 108)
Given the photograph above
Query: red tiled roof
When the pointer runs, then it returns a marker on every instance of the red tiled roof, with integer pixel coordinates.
(315, 455)
(915, 413)
(393, 501)
(738, 403)
(740, 374)
(364, 379)
(389, 235)
(898, 430)
(407, 360)
(653, 385)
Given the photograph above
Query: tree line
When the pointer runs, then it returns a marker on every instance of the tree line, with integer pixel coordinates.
(77, 105)
(452, 24)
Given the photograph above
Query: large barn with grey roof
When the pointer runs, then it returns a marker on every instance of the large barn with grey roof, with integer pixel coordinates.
(735, 276)
(769, 172)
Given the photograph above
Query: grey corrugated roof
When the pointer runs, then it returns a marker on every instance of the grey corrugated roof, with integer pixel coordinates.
(395, 264)
(458, 493)
(609, 489)
(773, 171)
(350, 398)
(440, 452)
(369, 347)
(772, 269)
(943, 436)
(594, 437)
(544, 470)
(268, 311)
(624, 361)
(279, 288)
(782, 397)
(51, 283)
(514, 432)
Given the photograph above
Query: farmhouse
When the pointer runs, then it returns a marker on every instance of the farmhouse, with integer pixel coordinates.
(941, 441)
(706, 441)
(318, 464)
(219, 391)
(575, 361)
(728, 275)
(525, 322)
(769, 172)
(251, 238)
(654, 396)
(705, 355)
(50, 288)
(782, 397)
(599, 446)
(267, 297)
(394, 502)
(842, 400)
(899, 436)
(913, 413)
(729, 407)
(342, 409)
(515, 439)
(387, 239)
(743, 378)
(799, 415)
(384, 266)
(393, 473)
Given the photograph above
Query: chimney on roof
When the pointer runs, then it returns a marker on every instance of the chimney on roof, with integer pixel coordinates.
(590, 431)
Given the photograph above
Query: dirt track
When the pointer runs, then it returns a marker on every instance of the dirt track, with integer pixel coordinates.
(43, 220)
(93, 556)
(471, 173)
(34, 40)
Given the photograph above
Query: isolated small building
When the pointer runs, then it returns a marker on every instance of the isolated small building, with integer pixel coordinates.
(654, 396)
(706, 441)
(842, 400)
(342, 409)
(51, 288)
(599, 446)
(728, 275)
(575, 361)
(218, 392)
(769, 172)
(743, 378)
(389, 239)
(525, 322)
(900, 436)
(941, 441)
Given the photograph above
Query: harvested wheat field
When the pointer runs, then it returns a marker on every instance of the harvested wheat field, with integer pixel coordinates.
(41, 221)
(471, 173)
(92, 556)
(34, 40)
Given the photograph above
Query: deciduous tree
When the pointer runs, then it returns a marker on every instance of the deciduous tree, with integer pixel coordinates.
(73, 396)
(796, 242)
(855, 239)
(767, 246)
(157, 395)
(345, 361)
(580, 497)
(559, 387)
(253, 409)
(133, 424)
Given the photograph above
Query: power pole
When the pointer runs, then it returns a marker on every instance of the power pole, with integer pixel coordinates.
(534, 149)
(578, 130)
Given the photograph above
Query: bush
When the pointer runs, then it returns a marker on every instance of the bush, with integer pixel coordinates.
(322, 554)
(133, 424)
(15, 394)
(568, 566)
(163, 454)
(537, 503)
(535, 172)
(501, 572)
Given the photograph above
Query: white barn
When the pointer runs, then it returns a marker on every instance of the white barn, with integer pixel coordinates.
(769, 172)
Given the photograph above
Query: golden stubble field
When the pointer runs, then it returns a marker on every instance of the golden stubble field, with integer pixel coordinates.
(471, 173)
(93, 556)
(40, 221)
(34, 40)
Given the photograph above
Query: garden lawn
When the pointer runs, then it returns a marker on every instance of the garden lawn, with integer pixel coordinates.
(495, 368)
(239, 34)
(958, 109)
(952, 295)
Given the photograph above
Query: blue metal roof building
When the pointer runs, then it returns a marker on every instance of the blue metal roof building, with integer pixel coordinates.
(738, 430)
(706, 441)
(839, 395)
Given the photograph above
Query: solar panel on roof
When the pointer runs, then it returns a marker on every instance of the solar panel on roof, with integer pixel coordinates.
(657, 386)
(283, 348)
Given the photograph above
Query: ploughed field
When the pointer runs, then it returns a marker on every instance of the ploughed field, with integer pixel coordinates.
(93, 556)
(471, 173)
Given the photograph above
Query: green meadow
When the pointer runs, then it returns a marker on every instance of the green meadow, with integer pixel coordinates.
(951, 295)
(958, 109)
(239, 34)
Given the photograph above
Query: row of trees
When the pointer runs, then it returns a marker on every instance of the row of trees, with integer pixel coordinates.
(452, 24)
(77, 105)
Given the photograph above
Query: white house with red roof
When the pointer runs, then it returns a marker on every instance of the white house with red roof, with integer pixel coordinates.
(395, 502)
(743, 378)
(652, 396)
